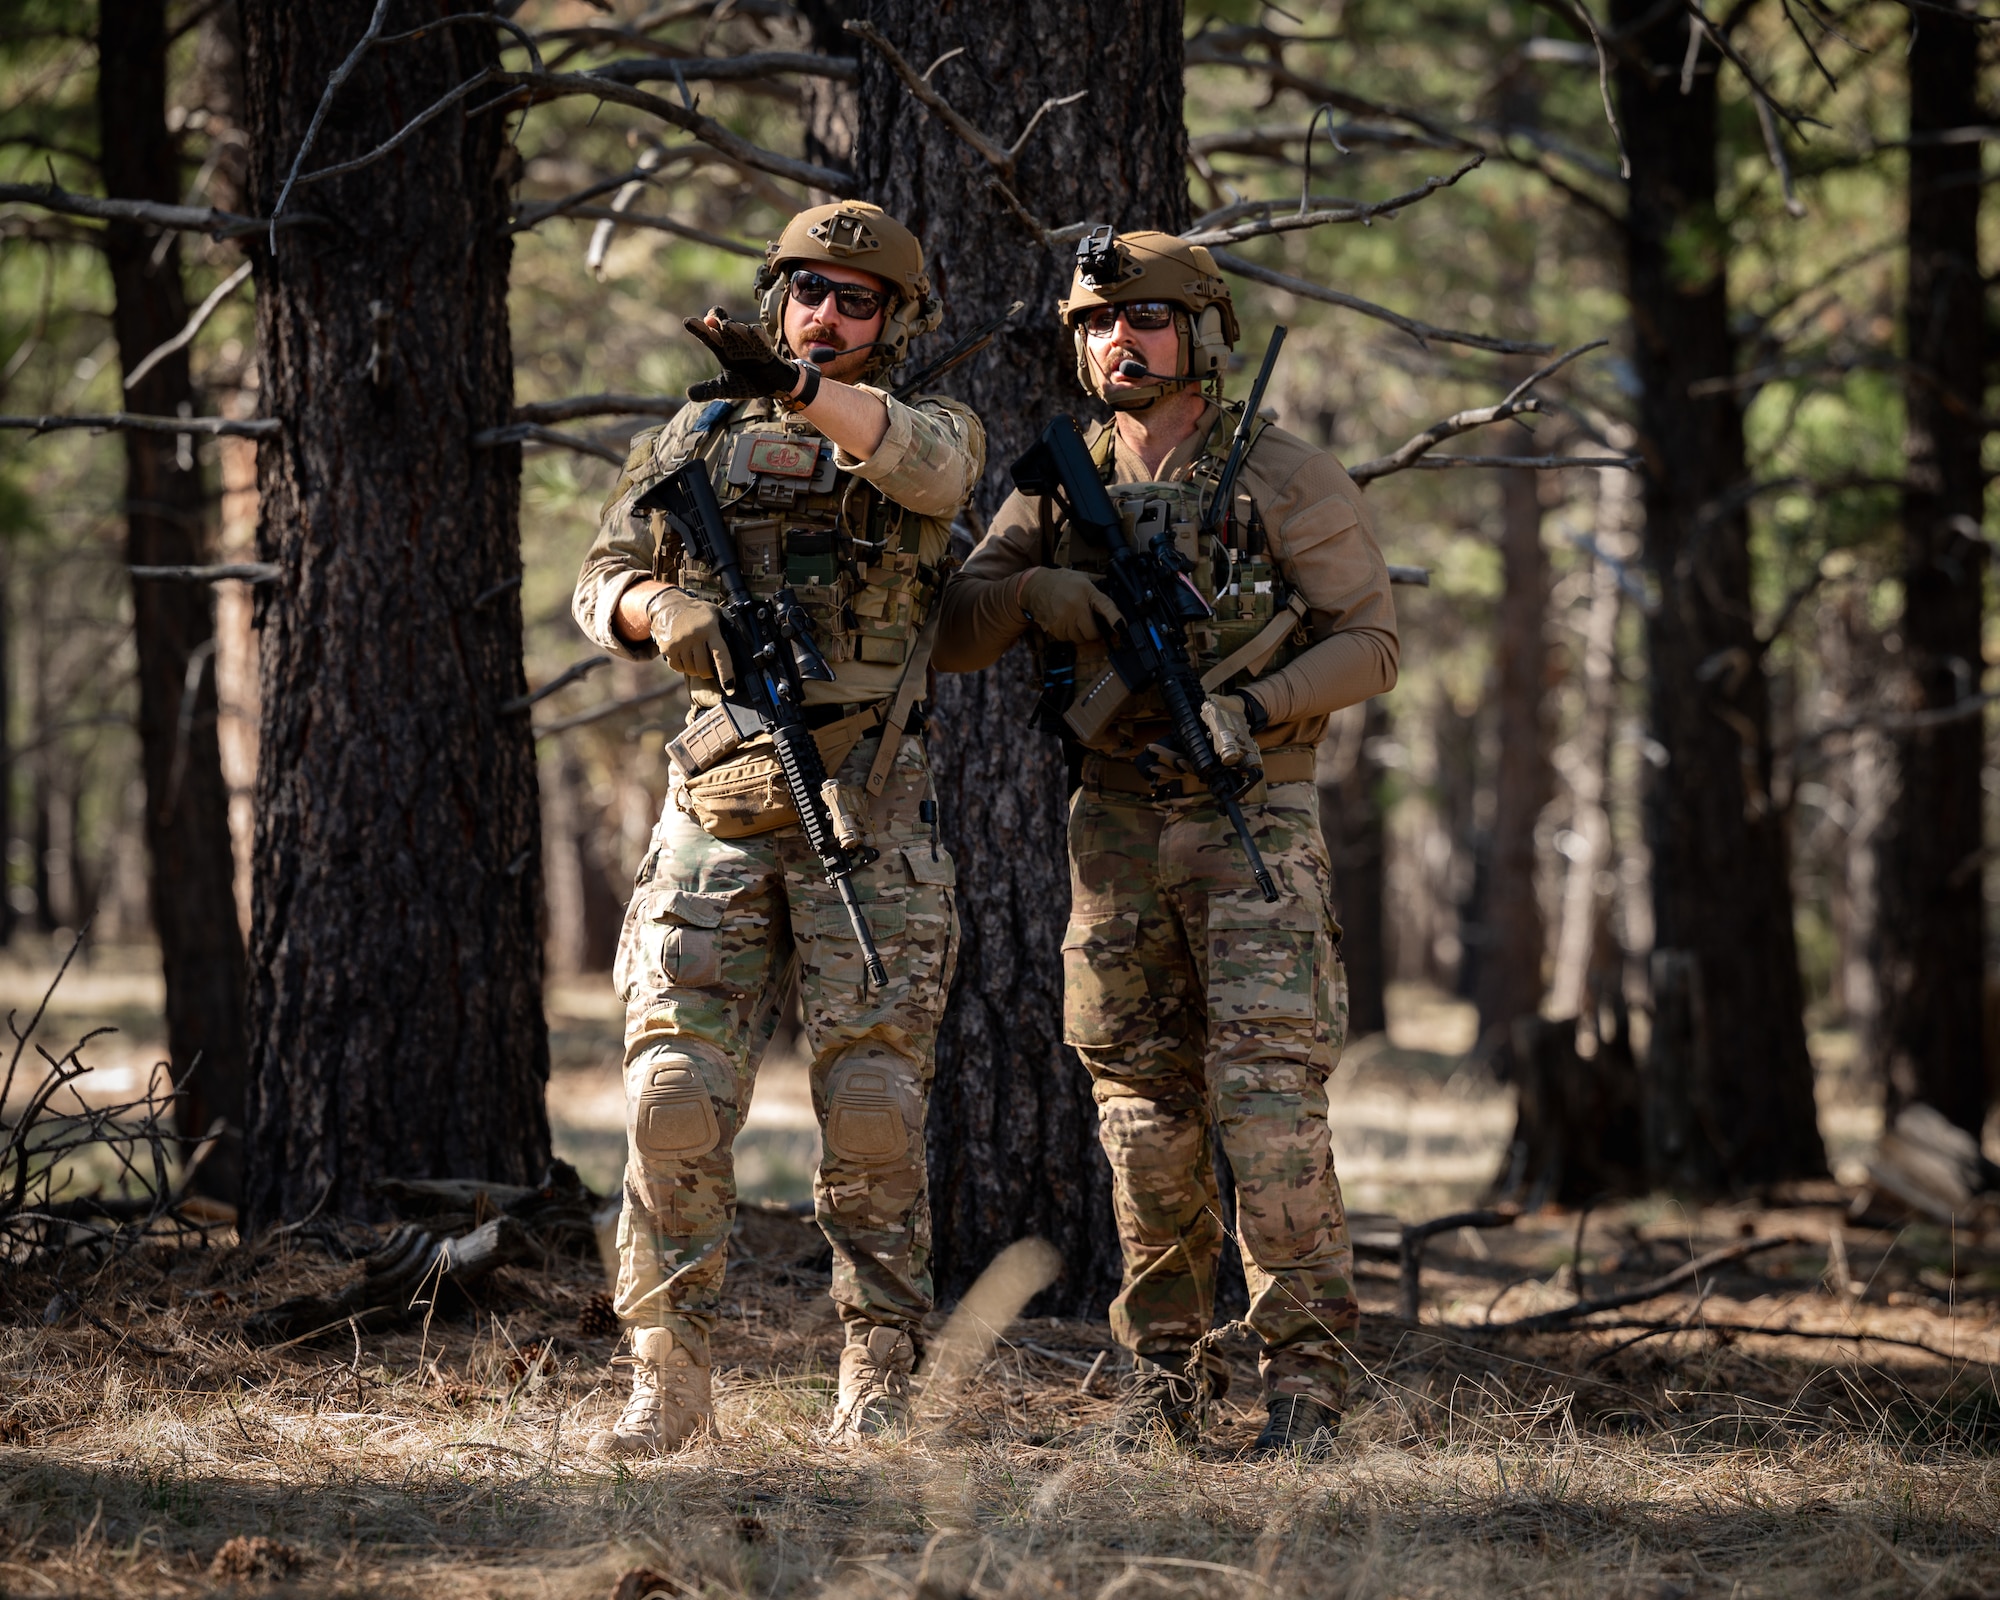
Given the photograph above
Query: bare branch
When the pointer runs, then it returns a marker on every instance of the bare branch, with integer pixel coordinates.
(919, 86)
(1292, 222)
(573, 673)
(1578, 14)
(185, 219)
(340, 76)
(599, 405)
(1533, 463)
(114, 421)
(725, 69)
(541, 87)
(223, 572)
(1273, 140)
(1646, 1291)
(1422, 332)
(1418, 577)
(203, 312)
(531, 433)
(1001, 161)
(435, 109)
(659, 224)
(583, 719)
(1518, 402)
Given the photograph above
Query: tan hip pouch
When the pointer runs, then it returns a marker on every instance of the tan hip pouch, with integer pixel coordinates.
(740, 798)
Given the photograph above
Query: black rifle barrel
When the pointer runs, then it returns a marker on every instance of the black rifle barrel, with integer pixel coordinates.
(1239, 445)
(767, 681)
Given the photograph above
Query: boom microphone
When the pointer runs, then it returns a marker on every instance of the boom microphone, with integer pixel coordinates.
(1136, 371)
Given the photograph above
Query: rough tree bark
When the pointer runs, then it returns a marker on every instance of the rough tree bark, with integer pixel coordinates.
(395, 1002)
(1350, 811)
(1013, 1130)
(1511, 937)
(1930, 931)
(187, 802)
(1720, 884)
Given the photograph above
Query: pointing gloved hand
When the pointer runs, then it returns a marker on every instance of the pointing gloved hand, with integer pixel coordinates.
(688, 633)
(1232, 721)
(1065, 604)
(751, 368)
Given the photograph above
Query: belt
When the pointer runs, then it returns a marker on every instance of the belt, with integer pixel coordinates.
(1288, 763)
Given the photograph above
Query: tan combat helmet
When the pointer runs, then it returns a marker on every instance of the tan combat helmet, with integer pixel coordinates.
(1113, 267)
(853, 233)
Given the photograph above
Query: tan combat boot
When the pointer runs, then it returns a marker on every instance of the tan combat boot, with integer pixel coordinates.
(874, 1385)
(670, 1401)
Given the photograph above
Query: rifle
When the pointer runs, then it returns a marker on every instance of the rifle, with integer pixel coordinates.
(1223, 500)
(771, 654)
(1149, 585)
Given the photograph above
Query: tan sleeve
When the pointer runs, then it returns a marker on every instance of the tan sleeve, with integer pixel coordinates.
(1324, 543)
(930, 459)
(982, 612)
(623, 552)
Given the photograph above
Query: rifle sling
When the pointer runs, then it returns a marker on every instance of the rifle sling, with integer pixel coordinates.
(1252, 656)
(916, 672)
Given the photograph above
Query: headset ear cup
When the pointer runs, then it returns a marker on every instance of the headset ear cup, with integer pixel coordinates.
(1211, 345)
(771, 312)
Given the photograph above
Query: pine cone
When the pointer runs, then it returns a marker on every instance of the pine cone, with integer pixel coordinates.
(597, 1320)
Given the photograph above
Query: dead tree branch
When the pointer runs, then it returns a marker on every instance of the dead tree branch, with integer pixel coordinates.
(573, 673)
(1741, 1250)
(183, 219)
(541, 87)
(534, 433)
(1422, 332)
(1001, 161)
(659, 224)
(1418, 1234)
(1533, 463)
(721, 69)
(221, 572)
(1518, 402)
(599, 405)
(369, 35)
(1293, 222)
(203, 312)
(610, 708)
(131, 422)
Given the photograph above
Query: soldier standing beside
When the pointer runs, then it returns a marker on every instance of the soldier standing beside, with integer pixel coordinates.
(1187, 995)
(840, 492)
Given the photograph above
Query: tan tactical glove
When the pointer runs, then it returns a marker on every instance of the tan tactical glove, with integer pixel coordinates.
(688, 633)
(1231, 720)
(1066, 605)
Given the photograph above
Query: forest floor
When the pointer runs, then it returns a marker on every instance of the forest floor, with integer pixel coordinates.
(1819, 1418)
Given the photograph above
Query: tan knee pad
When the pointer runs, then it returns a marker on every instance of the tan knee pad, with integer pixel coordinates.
(671, 1102)
(874, 1103)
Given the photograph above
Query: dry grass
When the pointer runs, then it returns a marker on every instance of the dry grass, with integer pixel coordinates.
(445, 1462)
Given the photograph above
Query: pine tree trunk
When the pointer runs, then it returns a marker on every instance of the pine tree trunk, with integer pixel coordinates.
(1013, 1132)
(187, 802)
(395, 1001)
(1721, 888)
(1510, 949)
(1931, 935)
(1350, 813)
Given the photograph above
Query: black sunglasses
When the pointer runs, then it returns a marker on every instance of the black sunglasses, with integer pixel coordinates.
(810, 289)
(1141, 315)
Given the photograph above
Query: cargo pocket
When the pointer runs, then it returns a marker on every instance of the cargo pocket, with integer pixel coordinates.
(1264, 961)
(1105, 999)
(836, 953)
(670, 941)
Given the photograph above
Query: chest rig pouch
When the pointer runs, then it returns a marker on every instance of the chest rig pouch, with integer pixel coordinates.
(851, 558)
(849, 554)
(1233, 570)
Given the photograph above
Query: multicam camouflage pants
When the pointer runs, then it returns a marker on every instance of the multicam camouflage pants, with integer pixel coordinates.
(1192, 1000)
(714, 931)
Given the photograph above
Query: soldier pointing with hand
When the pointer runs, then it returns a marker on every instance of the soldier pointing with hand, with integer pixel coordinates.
(1189, 994)
(832, 504)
